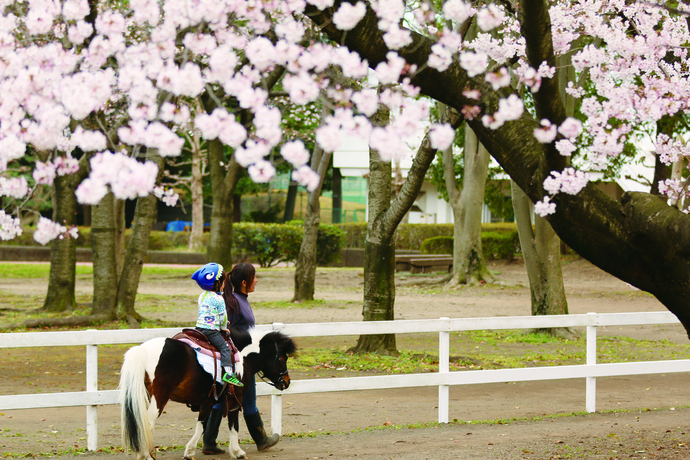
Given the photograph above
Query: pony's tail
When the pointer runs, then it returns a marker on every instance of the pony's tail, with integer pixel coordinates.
(134, 402)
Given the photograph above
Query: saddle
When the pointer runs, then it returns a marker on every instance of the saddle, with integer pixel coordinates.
(199, 342)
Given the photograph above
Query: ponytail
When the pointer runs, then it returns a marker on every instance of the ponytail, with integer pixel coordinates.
(233, 283)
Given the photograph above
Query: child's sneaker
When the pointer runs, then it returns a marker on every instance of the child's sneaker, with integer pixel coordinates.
(232, 380)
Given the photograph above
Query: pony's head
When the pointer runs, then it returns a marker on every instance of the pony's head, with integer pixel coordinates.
(266, 354)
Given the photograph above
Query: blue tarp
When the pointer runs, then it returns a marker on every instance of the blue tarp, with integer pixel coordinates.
(177, 226)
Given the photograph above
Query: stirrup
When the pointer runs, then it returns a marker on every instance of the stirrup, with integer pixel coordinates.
(232, 379)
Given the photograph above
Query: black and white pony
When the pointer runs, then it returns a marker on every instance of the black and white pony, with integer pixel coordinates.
(163, 369)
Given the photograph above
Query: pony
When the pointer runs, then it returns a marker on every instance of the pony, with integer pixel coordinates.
(162, 369)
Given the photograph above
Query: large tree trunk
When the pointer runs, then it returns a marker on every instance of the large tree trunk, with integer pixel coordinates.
(196, 187)
(541, 252)
(104, 256)
(305, 268)
(144, 215)
(63, 251)
(468, 260)
(223, 184)
(379, 253)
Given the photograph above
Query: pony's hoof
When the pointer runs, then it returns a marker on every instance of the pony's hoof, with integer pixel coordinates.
(189, 458)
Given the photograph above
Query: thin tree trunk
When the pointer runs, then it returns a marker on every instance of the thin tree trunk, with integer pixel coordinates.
(337, 206)
(63, 251)
(468, 260)
(379, 253)
(541, 252)
(305, 268)
(144, 215)
(104, 252)
(196, 186)
(289, 213)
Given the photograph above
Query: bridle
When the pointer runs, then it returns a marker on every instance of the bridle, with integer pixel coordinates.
(280, 380)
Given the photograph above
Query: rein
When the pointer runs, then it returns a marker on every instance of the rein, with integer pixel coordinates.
(280, 379)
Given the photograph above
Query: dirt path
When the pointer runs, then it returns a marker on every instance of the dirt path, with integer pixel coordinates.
(650, 430)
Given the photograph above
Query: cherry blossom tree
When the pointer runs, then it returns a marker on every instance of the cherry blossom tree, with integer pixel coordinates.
(116, 81)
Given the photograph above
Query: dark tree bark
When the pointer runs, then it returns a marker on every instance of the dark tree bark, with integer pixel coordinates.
(104, 251)
(337, 196)
(640, 239)
(290, 201)
(144, 215)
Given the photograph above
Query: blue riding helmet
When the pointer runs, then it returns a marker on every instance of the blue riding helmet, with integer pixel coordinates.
(207, 275)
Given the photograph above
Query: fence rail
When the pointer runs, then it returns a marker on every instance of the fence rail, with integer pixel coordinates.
(92, 397)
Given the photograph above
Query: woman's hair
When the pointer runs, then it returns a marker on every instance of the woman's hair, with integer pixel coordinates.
(233, 282)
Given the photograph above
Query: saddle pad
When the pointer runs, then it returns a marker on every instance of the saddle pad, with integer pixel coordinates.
(206, 360)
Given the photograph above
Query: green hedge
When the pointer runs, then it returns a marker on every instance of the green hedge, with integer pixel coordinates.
(437, 245)
(270, 244)
(495, 245)
(411, 236)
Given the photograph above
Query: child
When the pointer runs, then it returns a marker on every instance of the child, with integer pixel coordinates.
(213, 317)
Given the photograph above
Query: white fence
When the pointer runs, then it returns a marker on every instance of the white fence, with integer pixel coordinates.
(92, 397)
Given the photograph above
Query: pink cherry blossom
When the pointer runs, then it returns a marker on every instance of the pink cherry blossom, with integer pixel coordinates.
(44, 173)
(295, 153)
(14, 187)
(348, 15)
(167, 196)
(389, 72)
(457, 10)
(499, 79)
(544, 207)
(306, 176)
(570, 128)
(440, 57)
(490, 17)
(262, 171)
(441, 136)
(367, 101)
(47, 231)
(10, 226)
(546, 133)
(474, 63)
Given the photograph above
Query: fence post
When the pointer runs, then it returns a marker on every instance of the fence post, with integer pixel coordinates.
(277, 401)
(92, 385)
(591, 385)
(443, 367)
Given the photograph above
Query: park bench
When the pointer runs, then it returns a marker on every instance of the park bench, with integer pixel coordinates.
(402, 262)
(424, 263)
(431, 264)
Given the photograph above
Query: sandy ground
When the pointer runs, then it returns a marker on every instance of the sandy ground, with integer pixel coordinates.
(643, 416)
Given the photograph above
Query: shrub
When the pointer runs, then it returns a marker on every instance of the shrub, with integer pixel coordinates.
(410, 236)
(495, 245)
(355, 234)
(437, 245)
(268, 243)
(328, 244)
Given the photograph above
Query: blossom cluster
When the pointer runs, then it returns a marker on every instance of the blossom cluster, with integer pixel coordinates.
(47, 230)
